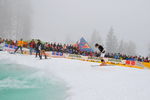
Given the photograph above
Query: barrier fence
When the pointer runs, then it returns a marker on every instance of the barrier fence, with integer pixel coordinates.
(111, 61)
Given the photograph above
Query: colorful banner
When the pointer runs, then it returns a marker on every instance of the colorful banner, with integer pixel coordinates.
(84, 46)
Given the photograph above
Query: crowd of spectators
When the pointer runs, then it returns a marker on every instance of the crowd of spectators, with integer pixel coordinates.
(74, 49)
(127, 57)
(56, 47)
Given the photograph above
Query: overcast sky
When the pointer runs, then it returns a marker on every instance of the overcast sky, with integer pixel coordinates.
(57, 20)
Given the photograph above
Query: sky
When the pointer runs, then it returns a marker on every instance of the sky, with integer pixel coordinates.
(59, 20)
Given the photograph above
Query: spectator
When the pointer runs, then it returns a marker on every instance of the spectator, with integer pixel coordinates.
(31, 46)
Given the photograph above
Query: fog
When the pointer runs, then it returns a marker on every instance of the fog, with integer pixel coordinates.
(66, 21)
(58, 20)
(15, 19)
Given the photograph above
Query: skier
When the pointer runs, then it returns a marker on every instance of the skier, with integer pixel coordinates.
(20, 44)
(40, 49)
(102, 53)
(101, 49)
(43, 49)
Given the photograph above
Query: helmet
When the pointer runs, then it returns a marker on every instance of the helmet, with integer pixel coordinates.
(96, 45)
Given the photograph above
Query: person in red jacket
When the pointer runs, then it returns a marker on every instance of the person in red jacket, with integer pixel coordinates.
(31, 46)
(12, 42)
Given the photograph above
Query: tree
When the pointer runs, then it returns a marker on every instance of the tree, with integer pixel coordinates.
(15, 19)
(128, 48)
(68, 39)
(111, 42)
(131, 48)
(149, 50)
(121, 47)
(4, 18)
(95, 38)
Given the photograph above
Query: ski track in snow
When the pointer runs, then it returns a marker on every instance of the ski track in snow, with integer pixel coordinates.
(91, 83)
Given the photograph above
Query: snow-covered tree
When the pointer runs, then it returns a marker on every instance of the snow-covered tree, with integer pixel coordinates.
(15, 19)
(68, 39)
(95, 38)
(111, 42)
(131, 48)
(121, 47)
(149, 50)
(128, 48)
(4, 18)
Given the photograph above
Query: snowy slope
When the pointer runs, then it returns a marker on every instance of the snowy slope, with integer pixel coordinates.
(88, 82)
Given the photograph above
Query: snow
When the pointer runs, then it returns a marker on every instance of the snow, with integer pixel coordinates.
(87, 82)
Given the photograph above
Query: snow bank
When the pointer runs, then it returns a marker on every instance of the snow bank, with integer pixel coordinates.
(87, 82)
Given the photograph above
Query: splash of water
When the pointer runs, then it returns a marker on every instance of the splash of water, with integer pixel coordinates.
(18, 82)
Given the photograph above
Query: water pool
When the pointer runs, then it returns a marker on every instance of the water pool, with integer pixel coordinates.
(19, 82)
